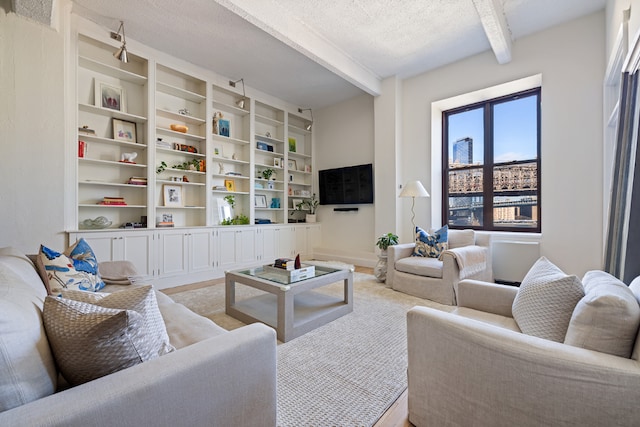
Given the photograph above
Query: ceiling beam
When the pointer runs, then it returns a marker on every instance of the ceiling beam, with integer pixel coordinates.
(278, 22)
(495, 27)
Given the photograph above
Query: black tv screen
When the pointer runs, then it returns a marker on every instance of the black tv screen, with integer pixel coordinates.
(346, 186)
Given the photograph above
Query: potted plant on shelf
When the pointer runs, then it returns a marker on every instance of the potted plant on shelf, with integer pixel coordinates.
(311, 204)
(267, 173)
(384, 241)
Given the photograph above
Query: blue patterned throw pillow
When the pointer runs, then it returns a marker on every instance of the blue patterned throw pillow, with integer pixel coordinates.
(76, 268)
(431, 245)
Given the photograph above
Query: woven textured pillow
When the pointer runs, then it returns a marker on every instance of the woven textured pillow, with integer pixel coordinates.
(545, 301)
(430, 245)
(607, 318)
(93, 340)
(76, 268)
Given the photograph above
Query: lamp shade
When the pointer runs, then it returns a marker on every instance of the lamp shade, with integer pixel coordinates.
(414, 189)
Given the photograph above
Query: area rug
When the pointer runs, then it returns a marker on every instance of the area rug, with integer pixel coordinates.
(345, 373)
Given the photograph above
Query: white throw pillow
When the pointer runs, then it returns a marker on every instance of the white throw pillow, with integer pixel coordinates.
(607, 318)
(545, 301)
(99, 334)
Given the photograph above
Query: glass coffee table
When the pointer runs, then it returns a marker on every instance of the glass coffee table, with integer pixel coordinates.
(291, 308)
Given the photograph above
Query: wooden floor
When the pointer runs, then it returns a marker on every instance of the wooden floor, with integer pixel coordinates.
(396, 416)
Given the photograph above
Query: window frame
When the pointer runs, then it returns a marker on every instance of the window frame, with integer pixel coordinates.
(488, 167)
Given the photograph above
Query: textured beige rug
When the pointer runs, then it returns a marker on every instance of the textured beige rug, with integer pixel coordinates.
(345, 373)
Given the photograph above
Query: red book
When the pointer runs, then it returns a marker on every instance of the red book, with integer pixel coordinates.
(82, 148)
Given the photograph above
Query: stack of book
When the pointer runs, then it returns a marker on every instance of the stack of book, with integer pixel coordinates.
(164, 224)
(164, 144)
(284, 263)
(116, 201)
(166, 220)
(137, 180)
(82, 149)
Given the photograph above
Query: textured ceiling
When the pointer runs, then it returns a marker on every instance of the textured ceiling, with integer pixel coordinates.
(314, 53)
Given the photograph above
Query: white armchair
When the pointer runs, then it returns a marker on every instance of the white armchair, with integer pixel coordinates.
(437, 279)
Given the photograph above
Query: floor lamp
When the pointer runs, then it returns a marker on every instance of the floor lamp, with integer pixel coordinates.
(413, 189)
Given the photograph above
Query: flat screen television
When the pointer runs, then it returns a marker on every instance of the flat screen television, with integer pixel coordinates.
(346, 186)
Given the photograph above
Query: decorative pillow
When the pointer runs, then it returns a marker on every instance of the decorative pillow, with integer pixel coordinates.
(430, 245)
(607, 318)
(76, 268)
(545, 301)
(93, 340)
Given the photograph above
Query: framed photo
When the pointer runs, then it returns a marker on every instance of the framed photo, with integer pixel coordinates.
(109, 96)
(261, 145)
(230, 184)
(292, 144)
(225, 127)
(307, 168)
(277, 162)
(296, 202)
(260, 201)
(293, 165)
(218, 150)
(290, 178)
(124, 131)
(172, 195)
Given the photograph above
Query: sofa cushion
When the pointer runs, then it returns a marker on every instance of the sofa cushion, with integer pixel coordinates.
(76, 268)
(428, 267)
(93, 340)
(461, 238)
(27, 367)
(546, 300)
(607, 318)
(430, 245)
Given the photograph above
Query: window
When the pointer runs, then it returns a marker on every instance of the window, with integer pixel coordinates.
(491, 164)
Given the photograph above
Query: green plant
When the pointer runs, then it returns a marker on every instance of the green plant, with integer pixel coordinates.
(187, 165)
(162, 167)
(311, 203)
(387, 240)
(266, 174)
(238, 220)
(231, 199)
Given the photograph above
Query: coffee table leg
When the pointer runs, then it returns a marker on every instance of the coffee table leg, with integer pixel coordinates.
(285, 316)
(348, 289)
(229, 292)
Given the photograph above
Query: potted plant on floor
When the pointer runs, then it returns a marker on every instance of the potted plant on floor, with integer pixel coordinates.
(384, 241)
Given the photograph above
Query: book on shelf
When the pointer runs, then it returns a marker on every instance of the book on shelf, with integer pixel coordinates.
(137, 180)
(220, 188)
(164, 224)
(82, 149)
(118, 201)
(112, 203)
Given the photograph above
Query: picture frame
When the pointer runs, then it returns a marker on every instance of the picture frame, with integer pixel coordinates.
(172, 195)
(292, 165)
(109, 96)
(307, 168)
(277, 162)
(290, 178)
(230, 185)
(261, 146)
(218, 150)
(260, 201)
(224, 210)
(292, 144)
(296, 202)
(124, 131)
(224, 127)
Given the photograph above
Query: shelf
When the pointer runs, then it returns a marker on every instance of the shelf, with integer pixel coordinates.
(179, 92)
(269, 190)
(110, 163)
(95, 205)
(180, 134)
(92, 138)
(231, 108)
(300, 184)
(112, 113)
(226, 160)
(298, 129)
(268, 139)
(231, 193)
(180, 207)
(217, 175)
(110, 184)
(229, 139)
(179, 117)
(166, 181)
(268, 209)
(99, 67)
(268, 120)
(184, 171)
(179, 152)
(298, 155)
(269, 154)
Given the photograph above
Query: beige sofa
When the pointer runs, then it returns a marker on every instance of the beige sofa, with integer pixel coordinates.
(473, 366)
(215, 378)
(437, 279)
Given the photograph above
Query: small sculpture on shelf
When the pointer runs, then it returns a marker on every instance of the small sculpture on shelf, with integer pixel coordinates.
(221, 168)
(184, 112)
(128, 157)
(216, 125)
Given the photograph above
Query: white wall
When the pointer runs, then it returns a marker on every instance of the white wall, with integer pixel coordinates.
(32, 164)
(571, 59)
(344, 136)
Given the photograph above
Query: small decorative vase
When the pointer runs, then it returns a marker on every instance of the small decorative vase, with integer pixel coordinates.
(380, 270)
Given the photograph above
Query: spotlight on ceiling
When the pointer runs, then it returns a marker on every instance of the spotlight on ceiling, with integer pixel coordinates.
(309, 125)
(240, 103)
(121, 53)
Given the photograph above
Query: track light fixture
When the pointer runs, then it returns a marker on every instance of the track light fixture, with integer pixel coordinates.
(121, 53)
(242, 102)
(310, 125)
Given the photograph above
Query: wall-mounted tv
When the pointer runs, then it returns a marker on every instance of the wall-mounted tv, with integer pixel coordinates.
(346, 186)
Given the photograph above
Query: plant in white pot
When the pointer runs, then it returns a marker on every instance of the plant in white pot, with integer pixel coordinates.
(384, 241)
(311, 205)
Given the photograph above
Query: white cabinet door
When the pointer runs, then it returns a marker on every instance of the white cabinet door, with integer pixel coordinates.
(225, 248)
(268, 244)
(286, 242)
(301, 240)
(200, 250)
(173, 253)
(246, 246)
(314, 238)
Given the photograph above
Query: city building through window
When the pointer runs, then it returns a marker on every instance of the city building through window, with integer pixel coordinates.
(491, 164)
